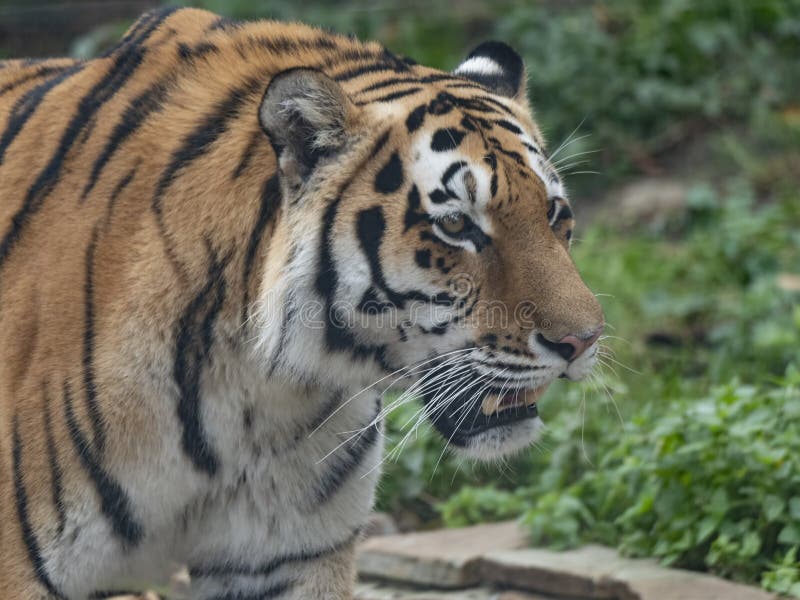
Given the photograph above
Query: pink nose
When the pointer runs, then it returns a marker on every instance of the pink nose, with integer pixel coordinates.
(571, 347)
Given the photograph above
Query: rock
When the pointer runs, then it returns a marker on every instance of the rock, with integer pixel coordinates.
(638, 581)
(374, 591)
(441, 559)
(581, 573)
(596, 572)
(652, 201)
(789, 282)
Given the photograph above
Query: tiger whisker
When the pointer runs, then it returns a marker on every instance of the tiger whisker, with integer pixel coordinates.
(410, 369)
(473, 399)
(616, 362)
(567, 157)
(569, 140)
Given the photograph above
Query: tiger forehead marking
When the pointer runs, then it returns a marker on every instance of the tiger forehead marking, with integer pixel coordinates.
(454, 158)
(214, 240)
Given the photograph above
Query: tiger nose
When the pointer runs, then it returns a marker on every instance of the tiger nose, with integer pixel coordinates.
(571, 346)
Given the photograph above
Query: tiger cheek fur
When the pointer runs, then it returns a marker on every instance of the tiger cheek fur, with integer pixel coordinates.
(216, 238)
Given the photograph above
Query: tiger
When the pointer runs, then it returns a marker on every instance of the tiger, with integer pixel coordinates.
(222, 243)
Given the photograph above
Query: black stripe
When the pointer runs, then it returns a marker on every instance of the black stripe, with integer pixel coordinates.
(454, 168)
(370, 229)
(28, 535)
(193, 340)
(195, 145)
(270, 204)
(56, 475)
(135, 114)
(284, 45)
(415, 80)
(106, 594)
(224, 23)
(199, 141)
(512, 154)
(226, 568)
(375, 67)
(40, 72)
(142, 28)
(387, 83)
(118, 189)
(26, 106)
(125, 64)
(123, 68)
(414, 213)
(272, 591)
(345, 462)
(347, 56)
(467, 84)
(114, 502)
(392, 96)
(415, 118)
(190, 53)
(498, 104)
(338, 337)
(509, 126)
(247, 154)
(289, 312)
(88, 349)
(134, 30)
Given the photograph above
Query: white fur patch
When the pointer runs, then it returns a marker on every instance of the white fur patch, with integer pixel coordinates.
(479, 65)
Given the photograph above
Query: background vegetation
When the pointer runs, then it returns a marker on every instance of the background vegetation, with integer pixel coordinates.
(686, 445)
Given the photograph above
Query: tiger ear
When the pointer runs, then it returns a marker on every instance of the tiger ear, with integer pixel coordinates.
(305, 114)
(498, 67)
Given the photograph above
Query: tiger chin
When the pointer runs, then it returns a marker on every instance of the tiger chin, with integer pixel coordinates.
(221, 241)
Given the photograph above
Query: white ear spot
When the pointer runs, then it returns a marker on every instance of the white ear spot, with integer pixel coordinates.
(479, 65)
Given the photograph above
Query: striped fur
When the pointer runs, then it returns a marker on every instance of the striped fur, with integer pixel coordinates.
(176, 384)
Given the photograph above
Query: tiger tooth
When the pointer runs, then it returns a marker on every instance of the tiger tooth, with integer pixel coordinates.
(531, 396)
(491, 403)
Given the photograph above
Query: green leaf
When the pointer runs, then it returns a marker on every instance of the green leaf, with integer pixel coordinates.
(751, 544)
(789, 535)
(773, 507)
(794, 508)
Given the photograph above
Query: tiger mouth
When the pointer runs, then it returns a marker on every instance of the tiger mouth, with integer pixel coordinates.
(465, 415)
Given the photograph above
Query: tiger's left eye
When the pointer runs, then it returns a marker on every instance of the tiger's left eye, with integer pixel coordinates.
(453, 224)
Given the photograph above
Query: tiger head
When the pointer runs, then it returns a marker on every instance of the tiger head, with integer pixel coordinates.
(442, 254)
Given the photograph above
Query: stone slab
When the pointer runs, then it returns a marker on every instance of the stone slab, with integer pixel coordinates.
(642, 582)
(440, 559)
(582, 573)
(375, 591)
(597, 572)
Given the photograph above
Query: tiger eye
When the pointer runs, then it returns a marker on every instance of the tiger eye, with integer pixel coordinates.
(453, 224)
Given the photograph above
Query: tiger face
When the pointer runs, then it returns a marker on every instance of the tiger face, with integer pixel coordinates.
(442, 259)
